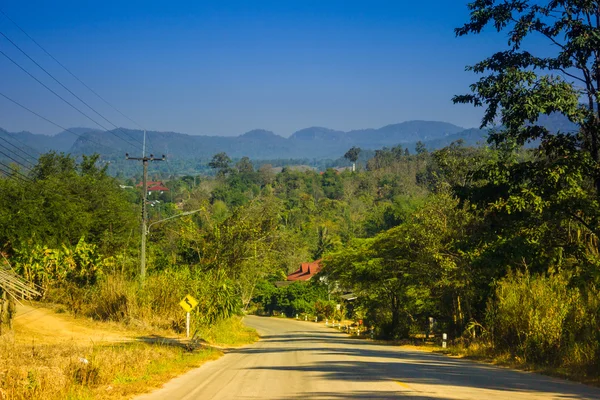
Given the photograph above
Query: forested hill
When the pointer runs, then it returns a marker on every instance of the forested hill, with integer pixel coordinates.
(310, 143)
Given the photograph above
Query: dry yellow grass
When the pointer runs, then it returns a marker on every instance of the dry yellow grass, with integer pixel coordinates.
(74, 371)
(55, 356)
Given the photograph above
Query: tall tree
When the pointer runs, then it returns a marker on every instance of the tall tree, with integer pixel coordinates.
(220, 162)
(352, 156)
(244, 166)
(518, 86)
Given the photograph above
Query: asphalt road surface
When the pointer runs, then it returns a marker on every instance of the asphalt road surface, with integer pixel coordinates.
(304, 360)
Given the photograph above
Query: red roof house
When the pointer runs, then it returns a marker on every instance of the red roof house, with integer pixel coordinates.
(154, 186)
(306, 271)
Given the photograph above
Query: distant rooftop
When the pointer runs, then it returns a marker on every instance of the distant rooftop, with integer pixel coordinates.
(306, 271)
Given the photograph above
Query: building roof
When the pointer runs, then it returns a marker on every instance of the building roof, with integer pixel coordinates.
(158, 188)
(154, 186)
(306, 271)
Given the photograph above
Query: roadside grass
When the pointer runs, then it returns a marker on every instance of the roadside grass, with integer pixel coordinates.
(228, 332)
(485, 352)
(107, 371)
(63, 365)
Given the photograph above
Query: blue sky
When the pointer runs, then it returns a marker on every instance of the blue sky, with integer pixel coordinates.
(226, 67)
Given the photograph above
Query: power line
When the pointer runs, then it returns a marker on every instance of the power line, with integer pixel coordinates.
(62, 98)
(18, 148)
(16, 155)
(69, 71)
(15, 173)
(9, 175)
(13, 160)
(73, 75)
(52, 122)
(64, 87)
(24, 144)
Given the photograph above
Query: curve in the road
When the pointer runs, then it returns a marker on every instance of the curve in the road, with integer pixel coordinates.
(303, 360)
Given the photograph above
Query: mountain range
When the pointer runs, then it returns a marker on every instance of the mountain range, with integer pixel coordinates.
(313, 143)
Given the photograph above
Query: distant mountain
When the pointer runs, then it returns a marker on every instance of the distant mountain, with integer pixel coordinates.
(318, 133)
(557, 123)
(61, 142)
(315, 143)
(310, 143)
(405, 132)
(470, 137)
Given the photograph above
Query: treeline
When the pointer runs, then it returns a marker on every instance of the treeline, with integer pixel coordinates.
(502, 249)
(498, 245)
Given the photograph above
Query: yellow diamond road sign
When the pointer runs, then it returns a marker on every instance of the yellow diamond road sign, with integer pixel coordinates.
(188, 303)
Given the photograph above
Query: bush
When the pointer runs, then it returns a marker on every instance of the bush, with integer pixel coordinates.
(324, 309)
(114, 299)
(537, 318)
(300, 306)
(156, 302)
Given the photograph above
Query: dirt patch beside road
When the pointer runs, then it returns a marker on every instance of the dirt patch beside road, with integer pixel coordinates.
(46, 326)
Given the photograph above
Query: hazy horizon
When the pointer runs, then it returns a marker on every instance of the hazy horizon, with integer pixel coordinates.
(226, 68)
(233, 135)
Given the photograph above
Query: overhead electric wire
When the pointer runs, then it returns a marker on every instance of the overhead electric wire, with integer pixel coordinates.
(15, 173)
(13, 160)
(52, 122)
(18, 148)
(64, 87)
(16, 155)
(170, 167)
(9, 175)
(76, 78)
(73, 75)
(69, 71)
(23, 143)
(62, 98)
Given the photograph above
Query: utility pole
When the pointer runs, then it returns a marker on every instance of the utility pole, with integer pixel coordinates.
(144, 161)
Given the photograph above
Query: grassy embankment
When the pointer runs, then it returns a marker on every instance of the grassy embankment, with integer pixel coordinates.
(61, 357)
(486, 353)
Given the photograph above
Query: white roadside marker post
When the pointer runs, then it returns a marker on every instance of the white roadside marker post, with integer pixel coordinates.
(444, 338)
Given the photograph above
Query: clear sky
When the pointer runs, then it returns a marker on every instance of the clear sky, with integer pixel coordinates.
(226, 67)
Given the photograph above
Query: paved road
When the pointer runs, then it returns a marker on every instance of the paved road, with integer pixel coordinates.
(303, 360)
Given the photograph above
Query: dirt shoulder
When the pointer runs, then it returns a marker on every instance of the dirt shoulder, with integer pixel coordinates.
(45, 326)
(49, 355)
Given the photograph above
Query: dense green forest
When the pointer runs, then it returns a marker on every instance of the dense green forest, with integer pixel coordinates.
(498, 243)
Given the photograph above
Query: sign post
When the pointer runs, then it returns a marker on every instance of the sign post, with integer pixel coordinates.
(187, 324)
(188, 304)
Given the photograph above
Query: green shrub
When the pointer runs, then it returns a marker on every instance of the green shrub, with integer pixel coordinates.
(530, 316)
(80, 265)
(300, 306)
(324, 309)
